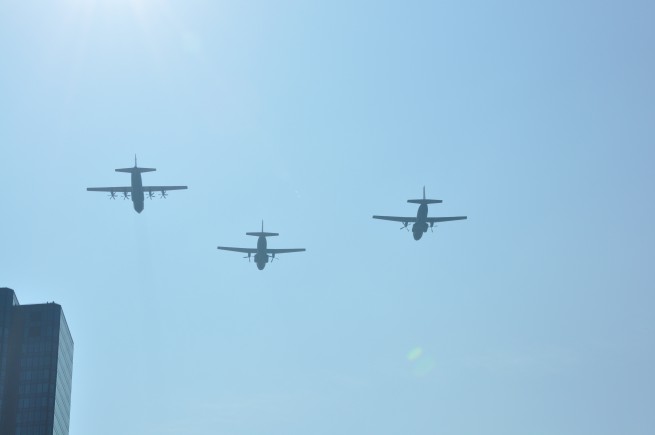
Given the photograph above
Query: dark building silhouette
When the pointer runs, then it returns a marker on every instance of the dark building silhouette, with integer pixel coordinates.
(36, 367)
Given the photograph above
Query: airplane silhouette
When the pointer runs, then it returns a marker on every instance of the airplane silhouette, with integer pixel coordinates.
(137, 189)
(421, 220)
(261, 252)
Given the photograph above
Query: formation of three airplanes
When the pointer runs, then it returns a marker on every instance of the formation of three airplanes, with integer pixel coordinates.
(137, 192)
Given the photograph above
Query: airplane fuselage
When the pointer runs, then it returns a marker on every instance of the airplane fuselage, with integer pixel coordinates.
(421, 225)
(261, 257)
(137, 191)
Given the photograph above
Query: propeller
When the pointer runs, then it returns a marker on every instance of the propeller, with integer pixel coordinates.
(112, 195)
(126, 195)
(273, 257)
(163, 194)
(431, 225)
(150, 194)
(405, 226)
(248, 257)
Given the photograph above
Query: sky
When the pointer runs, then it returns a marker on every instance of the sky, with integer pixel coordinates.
(534, 119)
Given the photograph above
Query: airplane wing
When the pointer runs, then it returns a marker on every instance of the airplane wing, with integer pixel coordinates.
(110, 189)
(444, 219)
(244, 250)
(283, 251)
(396, 218)
(162, 188)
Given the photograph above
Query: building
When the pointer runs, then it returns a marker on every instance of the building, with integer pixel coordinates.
(36, 368)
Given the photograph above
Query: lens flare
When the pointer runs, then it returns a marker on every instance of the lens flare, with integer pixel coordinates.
(421, 364)
(415, 354)
(424, 366)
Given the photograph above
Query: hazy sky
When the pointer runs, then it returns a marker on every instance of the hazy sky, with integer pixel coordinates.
(535, 119)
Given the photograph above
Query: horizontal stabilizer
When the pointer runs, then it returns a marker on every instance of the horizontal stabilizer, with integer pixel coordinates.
(131, 170)
(424, 201)
(262, 234)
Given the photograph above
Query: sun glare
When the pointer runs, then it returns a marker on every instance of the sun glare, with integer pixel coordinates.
(145, 13)
(139, 7)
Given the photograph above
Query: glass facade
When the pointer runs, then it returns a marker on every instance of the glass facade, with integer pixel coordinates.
(64, 379)
(36, 359)
(7, 302)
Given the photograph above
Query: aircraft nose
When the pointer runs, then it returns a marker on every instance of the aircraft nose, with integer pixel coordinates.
(418, 235)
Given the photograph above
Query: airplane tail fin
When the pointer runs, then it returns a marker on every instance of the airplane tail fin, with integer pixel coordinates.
(262, 233)
(135, 168)
(424, 201)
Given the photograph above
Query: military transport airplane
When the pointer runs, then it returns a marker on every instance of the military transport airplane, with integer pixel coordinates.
(421, 220)
(137, 189)
(261, 252)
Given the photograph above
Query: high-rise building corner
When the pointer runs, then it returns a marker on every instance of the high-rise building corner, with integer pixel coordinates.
(36, 367)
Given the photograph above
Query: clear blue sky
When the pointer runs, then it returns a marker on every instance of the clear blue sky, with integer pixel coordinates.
(535, 119)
